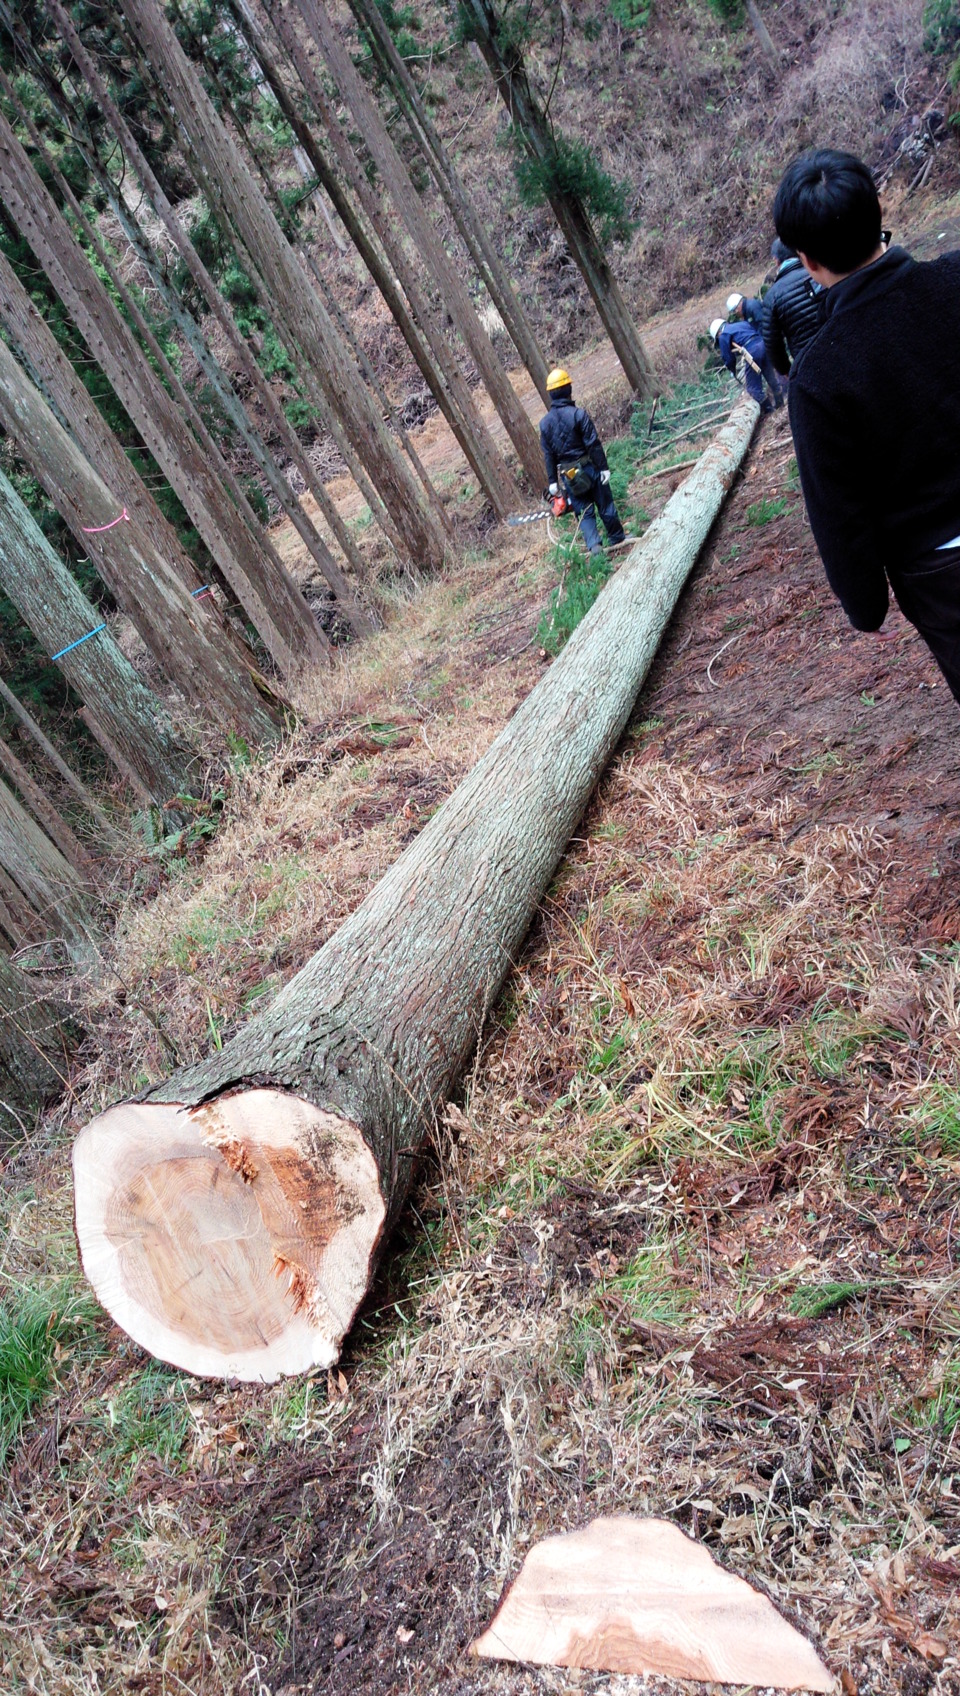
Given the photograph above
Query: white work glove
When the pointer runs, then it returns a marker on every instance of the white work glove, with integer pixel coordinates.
(604, 477)
(554, 489)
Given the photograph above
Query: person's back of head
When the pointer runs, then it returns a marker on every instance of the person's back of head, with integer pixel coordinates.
(827, 207)
(559, 385)
(781, 251)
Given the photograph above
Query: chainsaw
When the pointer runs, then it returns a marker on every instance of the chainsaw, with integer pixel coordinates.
(556, 506)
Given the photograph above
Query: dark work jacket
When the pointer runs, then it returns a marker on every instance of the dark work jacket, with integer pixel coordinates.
(792, 313)
(752, 310)
(875, 410)
(568, 433)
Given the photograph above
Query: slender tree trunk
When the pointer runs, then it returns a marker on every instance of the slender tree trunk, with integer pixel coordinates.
(391, 270)
(50, 601)
(473, 232)
(44, 811)
(36, 1042)
(510, 80)
(283, 619)
(425, 237)
(308, 324)
(191, 649)
(46, 880)
(56, 760)
(90, 72)
(339, 318)
(235, 549)
(19, 923)
(765, 39)
(291, 1151)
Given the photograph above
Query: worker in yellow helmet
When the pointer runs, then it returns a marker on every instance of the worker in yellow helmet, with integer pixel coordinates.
(577, 465)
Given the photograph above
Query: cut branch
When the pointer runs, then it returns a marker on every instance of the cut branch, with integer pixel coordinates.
(231, 1220)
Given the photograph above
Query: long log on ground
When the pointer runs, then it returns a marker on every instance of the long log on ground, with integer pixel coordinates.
(231, 1219)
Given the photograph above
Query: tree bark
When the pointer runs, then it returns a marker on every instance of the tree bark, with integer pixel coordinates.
(221, 312)
(390, 268)
(510, 80)
(233, 189)
(237, 552)
(473, 232)
(42, 875)
(425, 237)
(292, 1149)
(36, 1041)
(191, 649)
(45, 811)
(274, 604)
(59, 764)
(52, 605)
(765, 39)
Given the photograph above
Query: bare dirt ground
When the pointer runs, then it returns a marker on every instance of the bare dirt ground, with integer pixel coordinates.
(689, 1242)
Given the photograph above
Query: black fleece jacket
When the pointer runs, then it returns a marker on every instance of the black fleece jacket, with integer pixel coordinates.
(875, 410)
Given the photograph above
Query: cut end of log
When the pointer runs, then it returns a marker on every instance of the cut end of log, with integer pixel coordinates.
(638, 1596)
(234, 1239)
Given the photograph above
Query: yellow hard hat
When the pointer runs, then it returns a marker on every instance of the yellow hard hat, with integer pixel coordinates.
(558, 379)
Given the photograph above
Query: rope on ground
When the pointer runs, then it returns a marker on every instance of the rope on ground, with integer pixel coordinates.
(726, 645)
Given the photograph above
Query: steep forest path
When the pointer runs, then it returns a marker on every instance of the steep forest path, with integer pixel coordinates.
(596, 372)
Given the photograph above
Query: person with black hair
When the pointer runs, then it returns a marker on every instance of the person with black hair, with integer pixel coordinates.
(577, 465)
(791, 309)
(874, 403)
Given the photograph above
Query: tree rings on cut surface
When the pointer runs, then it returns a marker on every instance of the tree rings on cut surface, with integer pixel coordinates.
(233, 1239)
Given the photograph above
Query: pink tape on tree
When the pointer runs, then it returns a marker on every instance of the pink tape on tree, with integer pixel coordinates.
(95, 529)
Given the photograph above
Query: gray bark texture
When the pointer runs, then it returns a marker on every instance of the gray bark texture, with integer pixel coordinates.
(473, 232)
(376, 1029)
(91, 73)
(44, 878)
(52, 605)
(760, 30)
(290, 297)
(424, 236)
(44, 810)
(55, 759)
(383, 253)
(237, 551)
(36, 1041)
(188, 644)
(510, 80)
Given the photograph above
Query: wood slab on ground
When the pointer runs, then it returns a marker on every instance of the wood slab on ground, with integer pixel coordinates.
(638, 1596)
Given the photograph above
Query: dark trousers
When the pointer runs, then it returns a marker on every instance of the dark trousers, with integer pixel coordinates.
(753, 380)
(586, 508)
(928, 594)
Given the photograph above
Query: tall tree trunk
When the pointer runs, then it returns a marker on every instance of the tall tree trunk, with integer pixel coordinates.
(191, 648)
(510, 79)
(45, 879)
(235, 549)
(339, 318)
(391, 270)
(19, 923)
(51, 603)
(424, 235)
(285, 623)
(43, 809)
(765, 39)
(36, 1041)
(90, 72)
(291, 1151)
(58, 763)
(473, 232)
(308, 325)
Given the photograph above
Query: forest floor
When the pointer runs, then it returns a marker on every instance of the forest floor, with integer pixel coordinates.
(689, 1244)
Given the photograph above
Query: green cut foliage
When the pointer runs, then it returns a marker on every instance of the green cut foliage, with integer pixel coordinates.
(33, 1329)
(583, 578)
(631, 14)
(812, 1301)
(764, 512)
(571, 171)
(941, 26)
(731, 11)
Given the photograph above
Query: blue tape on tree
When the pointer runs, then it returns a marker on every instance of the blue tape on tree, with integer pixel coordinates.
(78, 643)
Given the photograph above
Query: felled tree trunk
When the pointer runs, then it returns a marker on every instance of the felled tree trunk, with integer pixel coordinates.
(231, 1219)
(36, 1040)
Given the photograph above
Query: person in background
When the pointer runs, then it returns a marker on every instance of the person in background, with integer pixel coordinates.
(791, 309)
(577, 465)
(741, 348)
(875, 410)
(747, 307)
